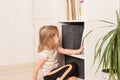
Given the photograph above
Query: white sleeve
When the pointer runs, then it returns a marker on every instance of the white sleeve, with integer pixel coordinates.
(42, 56)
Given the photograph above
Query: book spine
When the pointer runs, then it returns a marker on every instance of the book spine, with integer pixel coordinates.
(67, 6)
(70, 9)
(77, 12)
(82, 9)
(73, 10)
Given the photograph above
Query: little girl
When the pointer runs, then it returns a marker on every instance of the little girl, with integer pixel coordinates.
(47, 57)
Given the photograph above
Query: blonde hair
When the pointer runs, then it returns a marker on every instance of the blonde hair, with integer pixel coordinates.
(46, 33)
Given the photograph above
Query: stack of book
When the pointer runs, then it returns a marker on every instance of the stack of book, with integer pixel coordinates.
(74, 9)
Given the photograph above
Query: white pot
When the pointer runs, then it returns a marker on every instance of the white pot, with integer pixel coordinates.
(106, 76)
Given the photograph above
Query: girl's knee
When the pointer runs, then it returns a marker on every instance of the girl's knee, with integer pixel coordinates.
(74, 69)
(74, 65)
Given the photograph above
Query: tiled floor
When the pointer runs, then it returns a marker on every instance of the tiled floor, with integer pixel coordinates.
(18, 72)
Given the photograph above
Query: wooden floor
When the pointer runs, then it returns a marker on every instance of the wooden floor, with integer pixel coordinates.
(18, 72)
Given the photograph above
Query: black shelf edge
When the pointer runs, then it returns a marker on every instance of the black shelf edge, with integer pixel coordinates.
(73, 22)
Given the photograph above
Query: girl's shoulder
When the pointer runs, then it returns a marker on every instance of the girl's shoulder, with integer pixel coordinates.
(45, 52)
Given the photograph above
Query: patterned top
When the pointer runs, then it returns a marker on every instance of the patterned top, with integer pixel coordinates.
(51, 63)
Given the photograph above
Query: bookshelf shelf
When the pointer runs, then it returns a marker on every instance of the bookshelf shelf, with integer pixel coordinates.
(80, 56)
(71, 21)
(74, 22)
(72, 32)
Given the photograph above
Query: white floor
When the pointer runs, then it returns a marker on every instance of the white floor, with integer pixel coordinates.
(18, 72)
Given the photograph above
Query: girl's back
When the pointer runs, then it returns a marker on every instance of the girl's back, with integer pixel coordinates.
(51, 60)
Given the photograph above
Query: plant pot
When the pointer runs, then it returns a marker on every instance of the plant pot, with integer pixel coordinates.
(106, 75)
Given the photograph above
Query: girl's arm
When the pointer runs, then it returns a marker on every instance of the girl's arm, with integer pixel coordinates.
(69, 51)
(37, 67)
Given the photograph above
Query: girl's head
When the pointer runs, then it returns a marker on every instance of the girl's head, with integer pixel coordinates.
(48, 37)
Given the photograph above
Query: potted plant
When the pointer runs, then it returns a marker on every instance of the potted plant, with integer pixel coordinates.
(107, 49)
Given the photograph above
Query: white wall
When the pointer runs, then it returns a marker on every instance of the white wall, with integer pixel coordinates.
(45, 13)
(16, 32)
(95, 10)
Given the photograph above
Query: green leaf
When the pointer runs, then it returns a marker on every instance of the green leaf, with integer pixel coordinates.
(95, 29)
(106, 21)
(95, 50)
(118, 19)
(98, 51)
(87, 34)
(118, 42)
(115, 54)
(106, 26)
(107, 48)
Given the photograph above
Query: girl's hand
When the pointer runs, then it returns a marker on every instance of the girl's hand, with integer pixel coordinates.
(80, 50)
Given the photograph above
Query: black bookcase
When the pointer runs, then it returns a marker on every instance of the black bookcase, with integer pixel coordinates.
(71, 39)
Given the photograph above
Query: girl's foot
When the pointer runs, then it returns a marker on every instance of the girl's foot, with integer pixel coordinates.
(58, 79)
(72, 78)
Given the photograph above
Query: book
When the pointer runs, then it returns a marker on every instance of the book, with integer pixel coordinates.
(77, 10)
(69, 6)
(74, 9)
(82, 9)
